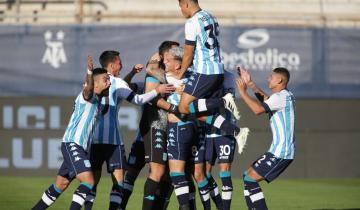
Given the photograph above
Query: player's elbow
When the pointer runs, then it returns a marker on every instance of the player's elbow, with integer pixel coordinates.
(258, 110)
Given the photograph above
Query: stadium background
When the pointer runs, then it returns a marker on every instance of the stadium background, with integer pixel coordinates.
(43, 48)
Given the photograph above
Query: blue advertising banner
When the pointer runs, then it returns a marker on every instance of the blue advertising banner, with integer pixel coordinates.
(51, 60)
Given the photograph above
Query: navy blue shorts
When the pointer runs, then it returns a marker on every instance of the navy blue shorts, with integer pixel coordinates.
(221, 148)
(137, 155)
(205, 86)
(180, 140)
(76, 160)
(155, 146)
(198, 147)
(270, 167)
(113, 155)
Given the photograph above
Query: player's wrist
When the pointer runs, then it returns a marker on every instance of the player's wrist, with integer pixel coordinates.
(173, 109)
(89, 72)
(251, 84)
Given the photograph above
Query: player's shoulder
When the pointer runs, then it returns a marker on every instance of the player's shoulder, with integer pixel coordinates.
(285, 92)
(118, 82)
(81, 100)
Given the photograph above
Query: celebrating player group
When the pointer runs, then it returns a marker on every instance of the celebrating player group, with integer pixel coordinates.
(188, 122)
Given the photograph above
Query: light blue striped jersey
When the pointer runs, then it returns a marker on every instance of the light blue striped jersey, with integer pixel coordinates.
(202, 31)
(174, 97)
(82, 122)
(108, 129)
(281, 108)
(228, 87)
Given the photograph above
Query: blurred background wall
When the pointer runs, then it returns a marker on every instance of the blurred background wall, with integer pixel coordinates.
(43, 48)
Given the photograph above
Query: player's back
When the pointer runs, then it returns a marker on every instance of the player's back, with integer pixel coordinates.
(152, 116)
(203, 28)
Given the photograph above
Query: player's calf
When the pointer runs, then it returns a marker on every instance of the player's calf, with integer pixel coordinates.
(79, 195)
(227, 189)
(48, 198)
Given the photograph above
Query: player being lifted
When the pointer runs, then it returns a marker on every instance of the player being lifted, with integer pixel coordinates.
(77, 139)
(221, 146)
(281, 109)
(203, 91)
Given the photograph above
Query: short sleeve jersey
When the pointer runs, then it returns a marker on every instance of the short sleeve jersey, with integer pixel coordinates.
(202, 31)
(281, 109)
(82, 122)
(108, 129)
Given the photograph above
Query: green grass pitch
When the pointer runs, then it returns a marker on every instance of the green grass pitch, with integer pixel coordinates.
(18, 193)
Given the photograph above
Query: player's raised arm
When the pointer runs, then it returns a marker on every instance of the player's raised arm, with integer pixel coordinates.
(88, 89)
(153, 68)
(254, 105)
(135, 70)
(246, 77)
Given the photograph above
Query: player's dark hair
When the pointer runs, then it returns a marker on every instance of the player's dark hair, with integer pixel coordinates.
(284, 72)
(165, 46)
(98, 71)
(107, 57)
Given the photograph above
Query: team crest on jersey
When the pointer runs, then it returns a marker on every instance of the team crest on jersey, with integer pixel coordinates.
(55, 52)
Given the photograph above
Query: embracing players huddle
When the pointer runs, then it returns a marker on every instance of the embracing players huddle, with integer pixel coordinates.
(188, 121)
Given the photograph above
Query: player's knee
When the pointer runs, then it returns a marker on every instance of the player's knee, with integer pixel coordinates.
(62, 183)
(156, 175)
(199, 175)
(248, 178)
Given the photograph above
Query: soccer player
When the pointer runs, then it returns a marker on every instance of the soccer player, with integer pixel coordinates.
(281, 109)
(153, 125)
(158, 187)
(108, 144)
(221, 147)
(180, 133)
(76, 140)
(202, 49)
(198, 151)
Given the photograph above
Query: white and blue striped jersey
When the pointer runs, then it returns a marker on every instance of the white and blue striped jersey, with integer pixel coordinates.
(281, 108)
(228, 87)
(82, 122)
(174, 98)
(202, 31)
(108, 129)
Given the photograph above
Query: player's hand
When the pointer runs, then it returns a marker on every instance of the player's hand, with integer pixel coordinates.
(137, 68)
(179, 90)
(245, 75)
(241, 84)
(90, 64)
(165, 88)
(155, 57)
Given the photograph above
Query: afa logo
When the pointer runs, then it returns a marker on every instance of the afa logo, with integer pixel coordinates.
(54, 53)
